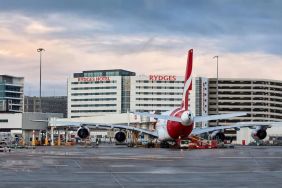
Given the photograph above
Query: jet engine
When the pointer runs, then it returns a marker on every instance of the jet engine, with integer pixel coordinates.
(83, 132)
(259, 133)
(187, 118)
(218, 135)
(120, 136)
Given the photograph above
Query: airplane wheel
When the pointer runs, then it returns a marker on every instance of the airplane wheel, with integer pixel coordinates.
(164, 145)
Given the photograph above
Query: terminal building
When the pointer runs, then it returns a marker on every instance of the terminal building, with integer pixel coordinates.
(13, 119)
(22, 124)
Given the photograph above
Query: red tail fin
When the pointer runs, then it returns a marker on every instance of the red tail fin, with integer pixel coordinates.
(187, 80)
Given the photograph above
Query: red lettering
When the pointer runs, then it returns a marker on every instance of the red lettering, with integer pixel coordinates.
(93, 79)
(162, 77)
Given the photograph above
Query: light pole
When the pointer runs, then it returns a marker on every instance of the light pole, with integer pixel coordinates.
(216, 86)
(40, 50)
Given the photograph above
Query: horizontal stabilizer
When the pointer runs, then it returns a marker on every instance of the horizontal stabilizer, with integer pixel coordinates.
(217, 117)
(171, 118)
(39, 120)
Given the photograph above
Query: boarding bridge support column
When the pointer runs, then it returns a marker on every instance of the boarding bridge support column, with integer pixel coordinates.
(52, 136)
(66, 135)
(33, 138)
(46, 138)
(23, 137)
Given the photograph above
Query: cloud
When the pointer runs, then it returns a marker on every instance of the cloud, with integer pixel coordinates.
(39, 28)
(127, 34)
(5, 53)
(242, 22)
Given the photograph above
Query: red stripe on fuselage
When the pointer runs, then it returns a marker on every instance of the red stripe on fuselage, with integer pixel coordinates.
(189, 67)
(188, 74)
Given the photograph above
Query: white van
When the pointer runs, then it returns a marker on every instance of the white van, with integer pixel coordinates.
(184, 144)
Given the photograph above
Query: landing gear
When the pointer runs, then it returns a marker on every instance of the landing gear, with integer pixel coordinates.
(164, 144)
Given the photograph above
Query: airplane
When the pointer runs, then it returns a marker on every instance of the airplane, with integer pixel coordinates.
(177, 123)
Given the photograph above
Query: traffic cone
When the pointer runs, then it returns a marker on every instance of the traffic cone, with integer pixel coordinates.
(46, 139)
(59, 139)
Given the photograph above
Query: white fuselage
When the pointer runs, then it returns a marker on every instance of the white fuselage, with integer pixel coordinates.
(161, 127)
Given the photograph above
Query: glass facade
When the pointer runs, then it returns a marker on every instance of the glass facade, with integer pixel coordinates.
(107, 91)
(2, 91)
(97, 73)
(125, 94)
(11, 92)
(56, 104)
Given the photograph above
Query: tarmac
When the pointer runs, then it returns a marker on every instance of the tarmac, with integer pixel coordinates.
(120, 166)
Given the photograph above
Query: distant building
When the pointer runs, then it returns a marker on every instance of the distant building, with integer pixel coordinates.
(260, 98)
(54, 104)
(157, 93)
(199, 99)
(99, 92)
(11, 93)
(112, 91)
(93, 93)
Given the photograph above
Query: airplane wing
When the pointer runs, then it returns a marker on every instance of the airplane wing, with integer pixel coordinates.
(239, 125)
(59, 123)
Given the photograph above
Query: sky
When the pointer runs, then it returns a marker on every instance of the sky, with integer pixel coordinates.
(144, 36)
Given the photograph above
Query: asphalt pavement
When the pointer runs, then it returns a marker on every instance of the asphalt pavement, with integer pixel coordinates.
(120, 166)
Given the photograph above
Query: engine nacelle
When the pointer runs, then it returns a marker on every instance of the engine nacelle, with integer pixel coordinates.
(120, 136)
(187, 118)
(259, 134)
(218, 135)
(83, 132)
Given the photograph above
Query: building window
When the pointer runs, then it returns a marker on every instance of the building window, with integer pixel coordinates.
(91, 88)
(86, 94)
(92, 105)
(86, 111)
(3, 121)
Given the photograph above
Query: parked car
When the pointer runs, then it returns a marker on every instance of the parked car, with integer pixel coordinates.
(5, 148)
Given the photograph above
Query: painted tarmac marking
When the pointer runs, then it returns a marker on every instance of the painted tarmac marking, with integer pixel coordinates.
(150, 172)
(59, 165)
(116, 180)
(77, 163)
(250, 157)
(122, 166)
(115, 158)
